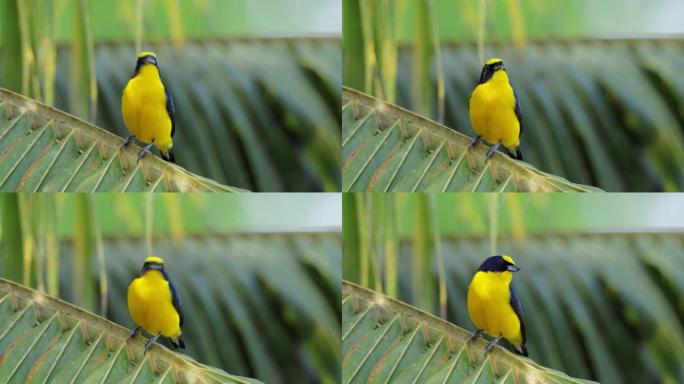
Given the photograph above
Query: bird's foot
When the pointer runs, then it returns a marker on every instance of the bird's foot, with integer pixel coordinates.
(149, 343)
(475, 141)
(474, 336)
(134, 333)
(144, 151)
(127, 142)
(491, 345)
(492, 150)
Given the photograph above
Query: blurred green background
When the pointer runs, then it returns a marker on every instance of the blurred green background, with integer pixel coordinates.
(600, 279)
(258, 275)
(256, 85)
(599, 82)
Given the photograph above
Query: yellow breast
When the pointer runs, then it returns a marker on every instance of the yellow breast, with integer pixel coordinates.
(489, 305)
(492, 111)
(151, 307)
(143, 105)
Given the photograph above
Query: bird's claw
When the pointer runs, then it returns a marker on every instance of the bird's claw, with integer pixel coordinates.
(474, 336)
(127, 142)
(475, 141)
(133, 333)
(491, 345)
(143, 152)
(149, 343)
(492, 150)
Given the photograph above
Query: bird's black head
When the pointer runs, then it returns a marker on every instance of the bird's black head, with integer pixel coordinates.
(153, 263)
(145, 58)
(490, 67)
(499, 263)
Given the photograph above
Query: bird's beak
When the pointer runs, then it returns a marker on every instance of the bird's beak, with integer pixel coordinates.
(513, 268)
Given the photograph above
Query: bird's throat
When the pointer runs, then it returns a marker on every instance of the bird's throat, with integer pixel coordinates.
(148, 71)
(499, 77)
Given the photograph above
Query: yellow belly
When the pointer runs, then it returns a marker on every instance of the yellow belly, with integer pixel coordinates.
(143, 105)
(492, 113)
(489, 307)
(150, 305)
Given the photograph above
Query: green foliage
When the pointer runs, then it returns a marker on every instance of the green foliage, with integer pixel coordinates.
(47, 150)
(261, 114)
(387, 148)
(260, 305)
(164, 20)
(82, 81)
(598, 112)
(264, 303)
(604, 113)
(595, 305)
(13, 22)
(45, 339)
(598, 285)
(385, 340)
(257, 114)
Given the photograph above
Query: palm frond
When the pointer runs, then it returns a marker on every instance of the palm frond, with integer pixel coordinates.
(48, 340)
(606, 113)
(387, 148)
(259, 114)
(44, 149)
(385, 340)
(584, 311)
(264, 305)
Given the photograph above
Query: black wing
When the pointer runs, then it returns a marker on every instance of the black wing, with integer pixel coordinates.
(171, 110)
(517, 308)
(518, 112)
(175, 299)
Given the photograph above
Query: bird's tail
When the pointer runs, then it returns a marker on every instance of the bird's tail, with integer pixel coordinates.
(169, 156)
(520, 349)
(518, 154)
(177, 342)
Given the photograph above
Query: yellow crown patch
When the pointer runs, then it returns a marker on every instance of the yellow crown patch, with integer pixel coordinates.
(154, 259)
(146, 53)
(508, 259)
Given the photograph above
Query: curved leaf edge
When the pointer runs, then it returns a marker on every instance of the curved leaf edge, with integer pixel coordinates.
(185, 179)
(546, 181)
(460, 336)
(118, 334)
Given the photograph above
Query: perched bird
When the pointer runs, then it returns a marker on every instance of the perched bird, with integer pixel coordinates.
(495, 110)
(148, 109)
(154, 304)
(493, 306)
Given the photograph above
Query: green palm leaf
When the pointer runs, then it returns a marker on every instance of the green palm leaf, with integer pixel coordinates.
(385, 340)
(603, 112)
(259, 114)
(263, 305)
(584, 313)
(44, 339)
(387, 148)
(44, 149)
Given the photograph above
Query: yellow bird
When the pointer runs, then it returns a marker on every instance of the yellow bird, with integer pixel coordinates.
(493, 305)
(154, 304)
(148, 110)
(495, 110)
